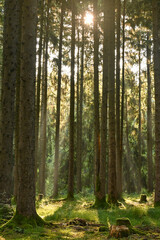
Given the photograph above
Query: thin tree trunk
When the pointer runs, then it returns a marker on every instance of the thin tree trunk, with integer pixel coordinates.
(156, 38)
(79, 184)
(112, 188)
(118, 132)
(139, 131)
(98, 197)
(123, 87)
(129, 164)
(78, 121)
(41, 128)
(102, 171)
(39, 74)
(72, 103)
(149, 119)
(9, 75)
(43, 137)
(56, 162)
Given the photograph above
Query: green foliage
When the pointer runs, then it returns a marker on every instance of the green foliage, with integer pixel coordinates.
(60, 213)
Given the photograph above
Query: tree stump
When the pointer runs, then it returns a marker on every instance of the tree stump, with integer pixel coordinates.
(143, 198)
(119, 231)
(123, 221)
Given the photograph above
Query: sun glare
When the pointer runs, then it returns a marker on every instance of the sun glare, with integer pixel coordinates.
(88, 19)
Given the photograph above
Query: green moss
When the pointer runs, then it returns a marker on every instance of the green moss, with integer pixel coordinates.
(62, 212)
(70, 197)
(137, 231)
(24, 222)
(157, 204)
(101, 203)
(123, 221)
(112, 200)
(127, 223)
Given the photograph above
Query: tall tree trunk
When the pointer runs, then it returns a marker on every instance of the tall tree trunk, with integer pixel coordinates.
(130, 183)
(139, 130)
(123, 85)
(26, 190)
(78, 119)
(39, 74)
(43, 137)
(19, 6)
(118, 132)
(9, 75)
(56, 162)
(149, 119)
(112, 188)
(98, 197)
(156, 38)
(79, 172)
(101, 199)
(72, 101)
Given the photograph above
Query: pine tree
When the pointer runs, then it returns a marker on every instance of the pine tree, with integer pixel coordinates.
(112, 188)
(56, 163)
(39, 76)
(72, 103)
(156, 38)
(9, 75)
(96, 107)
(26, 190)
(118, 132)
(140, 124)
(149, 119)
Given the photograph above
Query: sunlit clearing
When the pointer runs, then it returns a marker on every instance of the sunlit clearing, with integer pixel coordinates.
(88, 19)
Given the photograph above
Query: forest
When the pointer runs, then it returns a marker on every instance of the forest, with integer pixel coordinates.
(79, 119)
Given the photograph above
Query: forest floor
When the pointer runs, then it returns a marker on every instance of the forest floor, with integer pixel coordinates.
(78, 220)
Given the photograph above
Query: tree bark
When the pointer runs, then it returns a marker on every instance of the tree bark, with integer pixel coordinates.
(56, 162)
(9, 75)
(19, 6)
(139, 127)
(72, 103)
(101, 196)
(80, 112)
(112, 188)
(149, 119)
(156, 38)
(129, 177)
(98, 197)
(26, 190)
(78, 119)
(123, 79)
(39, 75)
(79, 184)
(118, 132)
(43, 137)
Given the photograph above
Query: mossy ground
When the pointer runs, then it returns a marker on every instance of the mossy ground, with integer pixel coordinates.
(143, 217)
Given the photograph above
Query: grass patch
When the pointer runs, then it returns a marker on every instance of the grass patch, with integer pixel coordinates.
(61, 212)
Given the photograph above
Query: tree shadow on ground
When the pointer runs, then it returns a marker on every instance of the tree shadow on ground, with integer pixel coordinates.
(63, 212)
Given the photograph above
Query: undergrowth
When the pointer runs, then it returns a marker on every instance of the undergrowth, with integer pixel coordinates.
(61, 212)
